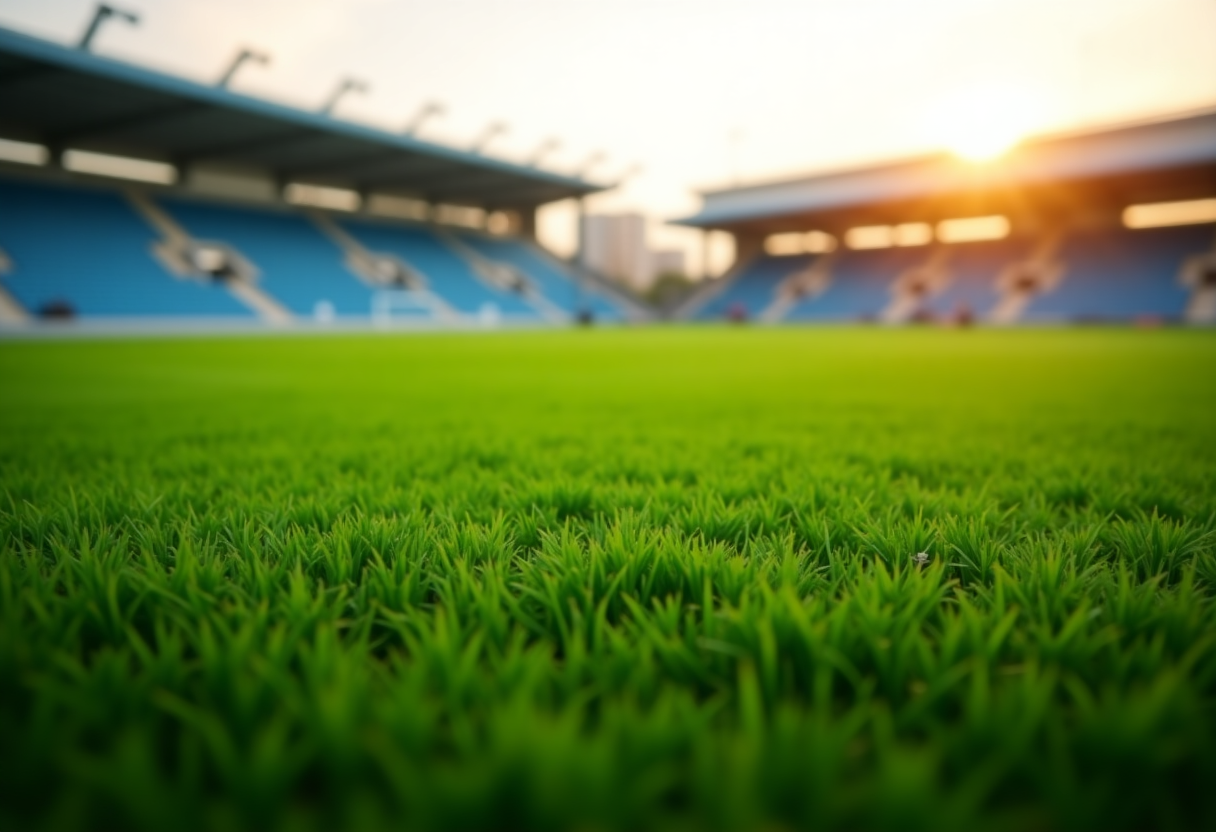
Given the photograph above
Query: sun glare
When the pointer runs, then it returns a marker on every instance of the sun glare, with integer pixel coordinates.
(983, 123)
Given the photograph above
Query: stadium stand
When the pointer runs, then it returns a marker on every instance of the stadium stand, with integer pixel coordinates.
(552, 278)
(860, 286)
(297, 265)
(78, 251)
(1122, 275)
(447, 274)
(1110, 224)
(230, 216)
(74, 243)
(972, 272)
(109, 270)
(753, 288)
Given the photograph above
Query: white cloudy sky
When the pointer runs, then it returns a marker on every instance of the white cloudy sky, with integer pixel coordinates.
(698, 92)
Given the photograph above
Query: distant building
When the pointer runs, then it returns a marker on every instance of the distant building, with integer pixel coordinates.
(667, 261)
(614, 245)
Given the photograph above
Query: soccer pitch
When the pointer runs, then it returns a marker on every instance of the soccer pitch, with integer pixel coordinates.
(616, 579)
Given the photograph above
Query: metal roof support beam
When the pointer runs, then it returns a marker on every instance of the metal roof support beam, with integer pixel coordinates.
(30, 72)
(506, 193)
(450, 174)
(144, 119)
(224, 152)
(527, 222)
(340, 165)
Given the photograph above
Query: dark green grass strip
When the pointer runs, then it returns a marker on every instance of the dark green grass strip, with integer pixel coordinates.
(610, 580)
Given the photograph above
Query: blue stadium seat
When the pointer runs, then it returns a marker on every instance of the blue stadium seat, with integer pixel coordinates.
(448, 275)
(298, 265)
(1122, 274)
(90, 249)
(861, 285)
(548, 276)
(754, 288)
(974, 269)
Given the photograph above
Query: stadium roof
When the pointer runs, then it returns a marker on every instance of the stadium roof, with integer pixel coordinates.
(66, 97)
(1181, 148)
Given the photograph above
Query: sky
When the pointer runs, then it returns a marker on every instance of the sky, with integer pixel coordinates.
(688, 94)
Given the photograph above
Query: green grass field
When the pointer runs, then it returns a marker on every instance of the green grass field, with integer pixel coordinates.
(600, 580)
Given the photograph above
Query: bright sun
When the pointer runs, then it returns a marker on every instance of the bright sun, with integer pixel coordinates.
(981, 124)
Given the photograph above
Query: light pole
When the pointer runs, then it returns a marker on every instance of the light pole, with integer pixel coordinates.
(346, 85)
(488, 135)
(429, 109)
(592, 160)
(242, 57)
(629, 172)
(546, 147)
(103, 13)
(736, 139)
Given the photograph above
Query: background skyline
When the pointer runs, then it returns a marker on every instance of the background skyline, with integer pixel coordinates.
(699, 94)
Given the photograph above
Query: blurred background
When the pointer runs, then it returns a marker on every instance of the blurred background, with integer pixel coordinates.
(650, 103)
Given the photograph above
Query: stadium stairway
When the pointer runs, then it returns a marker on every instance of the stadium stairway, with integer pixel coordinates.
(689, 308)
(80, 251)
(11, 312)
(1038, 271)
(504, 275)
(448, 274)
(179, 253)
(972, 289)
(1122, 275)
(809, 282)
(860, 286)
(1199, 275)
(752, 289)
(398, 283)
(916, 286)
(555, 280)
(297, 265)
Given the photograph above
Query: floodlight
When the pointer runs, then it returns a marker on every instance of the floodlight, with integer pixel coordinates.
(629, 172)
(592, 160)
(242, 56)
(546, 147)
(492, 130)
(345, 86)
(103, 13)
(429, 109)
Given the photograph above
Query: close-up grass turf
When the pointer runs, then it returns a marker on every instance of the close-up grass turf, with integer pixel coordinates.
(593, 580)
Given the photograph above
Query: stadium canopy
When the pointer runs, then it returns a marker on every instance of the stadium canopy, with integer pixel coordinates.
(1173, 158)
(65, 97)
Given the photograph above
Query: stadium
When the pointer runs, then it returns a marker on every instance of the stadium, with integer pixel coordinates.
(260, 229)
(261, 214)
(333, 497)
(1117, 225)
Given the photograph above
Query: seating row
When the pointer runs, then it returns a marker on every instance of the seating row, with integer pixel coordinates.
(1111, 274)
(89, 252)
